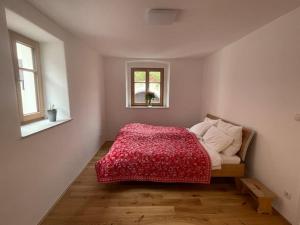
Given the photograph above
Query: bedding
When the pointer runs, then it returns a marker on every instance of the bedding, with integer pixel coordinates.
(209, 120)
(199, 129)
(153, 153)
(215, 158)
(233, 131)
(216, 139)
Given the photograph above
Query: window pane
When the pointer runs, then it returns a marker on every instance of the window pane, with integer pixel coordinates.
(28, 92)
(139, 92)
(139, 76)
(154, 76)
(25, 59)
(155, 88)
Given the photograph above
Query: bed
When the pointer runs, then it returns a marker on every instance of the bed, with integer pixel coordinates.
(166, 154)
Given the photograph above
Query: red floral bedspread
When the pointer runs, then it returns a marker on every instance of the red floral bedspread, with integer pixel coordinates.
(153, 153)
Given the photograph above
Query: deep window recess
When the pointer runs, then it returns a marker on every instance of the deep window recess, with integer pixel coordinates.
(26, 61)
(147, 80)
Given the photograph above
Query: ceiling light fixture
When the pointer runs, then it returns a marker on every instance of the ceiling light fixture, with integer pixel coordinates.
(161, 16)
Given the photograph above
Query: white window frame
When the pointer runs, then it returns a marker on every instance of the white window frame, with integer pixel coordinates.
(148, 64)
(40, 114)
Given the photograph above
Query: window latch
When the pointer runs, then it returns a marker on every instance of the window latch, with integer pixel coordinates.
(21, 79)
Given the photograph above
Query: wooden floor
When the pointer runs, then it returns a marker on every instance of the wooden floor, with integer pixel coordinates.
(91, 203)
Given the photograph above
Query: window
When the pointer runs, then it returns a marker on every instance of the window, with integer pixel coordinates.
(147, 80)
(28, 77)
(144, 76)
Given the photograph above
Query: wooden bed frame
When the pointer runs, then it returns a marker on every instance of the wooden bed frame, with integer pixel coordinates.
(235, 170)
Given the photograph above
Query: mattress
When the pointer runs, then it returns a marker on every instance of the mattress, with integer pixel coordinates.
(230, 159)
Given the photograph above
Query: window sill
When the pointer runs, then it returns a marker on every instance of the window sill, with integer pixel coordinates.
(35, 127)
(147, 107)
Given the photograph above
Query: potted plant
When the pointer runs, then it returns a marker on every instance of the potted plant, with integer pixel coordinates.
(149, 96)
(52, 112)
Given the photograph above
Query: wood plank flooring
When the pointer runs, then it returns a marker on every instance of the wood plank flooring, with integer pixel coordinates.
(87, 202)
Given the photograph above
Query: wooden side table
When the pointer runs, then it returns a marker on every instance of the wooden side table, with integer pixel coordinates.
(262, 195)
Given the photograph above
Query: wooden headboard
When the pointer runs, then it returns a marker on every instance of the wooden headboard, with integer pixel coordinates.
(247, 137)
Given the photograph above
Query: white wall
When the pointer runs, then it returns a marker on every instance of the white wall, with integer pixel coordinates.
(184, 110)
(256, 82)
(54, 75)
(34, 171)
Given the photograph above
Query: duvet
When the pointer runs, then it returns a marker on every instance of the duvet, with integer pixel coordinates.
(144, 152)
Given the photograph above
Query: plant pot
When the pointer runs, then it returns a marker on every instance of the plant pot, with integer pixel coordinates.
(148, 102)
(52, 115)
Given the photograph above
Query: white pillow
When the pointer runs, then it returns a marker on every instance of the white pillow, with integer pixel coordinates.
(216, 139)
(213, 122)
(200, 128)
(236, 133)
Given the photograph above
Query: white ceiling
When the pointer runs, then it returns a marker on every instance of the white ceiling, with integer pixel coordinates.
(117, 27)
